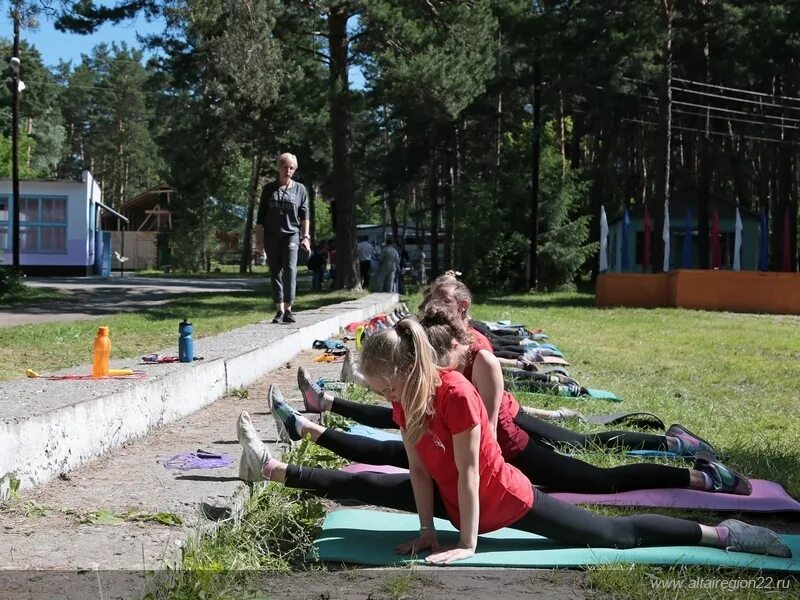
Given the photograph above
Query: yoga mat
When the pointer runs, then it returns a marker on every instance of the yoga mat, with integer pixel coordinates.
(767, 496)
(639, 419)
(602, 395)
(376, 434)
(368, 537)
(362, 468)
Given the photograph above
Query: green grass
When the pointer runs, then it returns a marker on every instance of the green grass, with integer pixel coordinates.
(217, 271)
(730, 377)
(31, 295)
(51, 346)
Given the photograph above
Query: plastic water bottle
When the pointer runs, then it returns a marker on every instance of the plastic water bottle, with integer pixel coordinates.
(360, 331)
(185, 342)
(101, 351)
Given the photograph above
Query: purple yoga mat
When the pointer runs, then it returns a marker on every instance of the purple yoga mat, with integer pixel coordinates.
(362, 468)
(767, 496)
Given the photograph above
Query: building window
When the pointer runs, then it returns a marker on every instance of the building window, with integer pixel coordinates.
(42, 224)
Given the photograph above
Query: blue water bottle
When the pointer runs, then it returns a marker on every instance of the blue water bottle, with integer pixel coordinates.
(185, 342)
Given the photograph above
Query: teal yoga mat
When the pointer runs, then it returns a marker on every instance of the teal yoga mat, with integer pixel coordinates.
(368, 537)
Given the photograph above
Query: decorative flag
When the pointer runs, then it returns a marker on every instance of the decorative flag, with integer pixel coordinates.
(686, 255)
(763, 251)
(716, 247)
(665, 237)
(648, 230)
(626, 225)
(786, 262)
(737, 244)
(603, 240)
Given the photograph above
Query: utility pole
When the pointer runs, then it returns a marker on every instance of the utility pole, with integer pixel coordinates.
(535, 110)
(15, 141)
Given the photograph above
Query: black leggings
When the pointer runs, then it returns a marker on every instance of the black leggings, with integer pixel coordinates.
(540, 431)
(540, 464)
(543, 432)
(549, 517)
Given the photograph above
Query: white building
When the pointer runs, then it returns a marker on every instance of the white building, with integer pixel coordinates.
(59, 226)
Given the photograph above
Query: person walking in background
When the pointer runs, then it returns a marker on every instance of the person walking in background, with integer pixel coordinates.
(282, 228)
(401, 268)
(317, 264)
(364, 251)
(332, 258)
(387, 274)
(422, 277)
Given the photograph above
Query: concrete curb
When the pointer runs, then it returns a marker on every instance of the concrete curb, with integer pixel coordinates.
(45, 431)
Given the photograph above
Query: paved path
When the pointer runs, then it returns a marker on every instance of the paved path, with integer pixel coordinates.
(90, 297)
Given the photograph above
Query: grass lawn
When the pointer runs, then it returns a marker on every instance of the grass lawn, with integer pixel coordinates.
(730, 377)
(31, 295)
(51, 346)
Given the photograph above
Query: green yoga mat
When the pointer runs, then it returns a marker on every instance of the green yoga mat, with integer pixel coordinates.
(368, 537)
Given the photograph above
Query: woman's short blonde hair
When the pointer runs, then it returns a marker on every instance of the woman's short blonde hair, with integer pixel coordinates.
(286, 158)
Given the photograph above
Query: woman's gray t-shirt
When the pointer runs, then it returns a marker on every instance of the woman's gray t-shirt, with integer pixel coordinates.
(281, 210)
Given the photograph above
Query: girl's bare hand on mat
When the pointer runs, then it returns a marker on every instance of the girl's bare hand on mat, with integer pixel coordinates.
(425, 541)
(449, 554)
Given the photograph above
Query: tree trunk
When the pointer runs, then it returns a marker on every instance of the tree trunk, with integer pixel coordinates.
(347, 272)
(664, 138)
(433, 195)
(533, 266)
(252, 196)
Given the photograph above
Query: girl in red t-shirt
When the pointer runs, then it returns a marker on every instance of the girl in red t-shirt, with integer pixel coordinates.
(456, 469)
(540, 463)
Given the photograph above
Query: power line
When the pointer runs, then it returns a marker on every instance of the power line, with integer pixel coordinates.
(733, 119)
(741, 100)
(738, 90)
(759, 103)
(718, 133)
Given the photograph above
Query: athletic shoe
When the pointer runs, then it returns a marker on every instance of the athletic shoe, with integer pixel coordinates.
(278, 318)
(312, 392)
(743, 537)
(285, 417)
(350, 372)
(690, 444)
(255, 453)
(288, 317)
(347, 367)
(726, 480)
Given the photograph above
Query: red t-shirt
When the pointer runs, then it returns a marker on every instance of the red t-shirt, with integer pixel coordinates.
(511, 438)
(504, 493)
(479, 343)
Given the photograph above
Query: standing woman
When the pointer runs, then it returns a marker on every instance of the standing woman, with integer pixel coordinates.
(282, 228)
(456, 469)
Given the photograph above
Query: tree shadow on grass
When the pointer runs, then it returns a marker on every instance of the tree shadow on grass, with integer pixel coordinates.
(202, 306)
(542, 301)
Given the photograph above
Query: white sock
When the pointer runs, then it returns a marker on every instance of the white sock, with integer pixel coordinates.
(299, 422)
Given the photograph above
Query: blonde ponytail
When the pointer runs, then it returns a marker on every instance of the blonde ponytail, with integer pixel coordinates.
(405, 351)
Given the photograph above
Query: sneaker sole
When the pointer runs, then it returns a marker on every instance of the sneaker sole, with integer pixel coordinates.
(715, 454)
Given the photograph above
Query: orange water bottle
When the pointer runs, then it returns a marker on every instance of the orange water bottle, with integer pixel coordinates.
(101, 352)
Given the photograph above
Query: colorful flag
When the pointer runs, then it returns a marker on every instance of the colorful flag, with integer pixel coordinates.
(786, 259)
(687, 261)
(763, 251)
(603, 240)
(626, 225)
(737, 244)
(648, 230)
(665, 237)
(716, 247)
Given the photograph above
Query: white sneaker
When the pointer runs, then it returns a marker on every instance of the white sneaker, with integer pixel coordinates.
(350, 372)
(255, 453)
